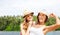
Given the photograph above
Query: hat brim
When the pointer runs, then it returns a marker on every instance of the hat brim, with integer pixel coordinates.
(28, 14)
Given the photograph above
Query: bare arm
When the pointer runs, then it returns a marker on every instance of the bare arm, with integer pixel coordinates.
(23, 31)
(53, 27)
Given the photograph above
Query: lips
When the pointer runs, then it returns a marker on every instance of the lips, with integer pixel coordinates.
(41, 19)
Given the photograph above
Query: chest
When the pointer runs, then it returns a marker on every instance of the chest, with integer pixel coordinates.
(37, 29)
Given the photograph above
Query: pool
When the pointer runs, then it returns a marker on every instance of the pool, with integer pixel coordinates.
(53, 33)
(18, 33)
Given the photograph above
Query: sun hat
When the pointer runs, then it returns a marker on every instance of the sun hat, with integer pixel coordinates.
(44, 12)
(26, 12)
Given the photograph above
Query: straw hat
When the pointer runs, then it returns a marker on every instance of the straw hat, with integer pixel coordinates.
(26, 12)
(46, 13)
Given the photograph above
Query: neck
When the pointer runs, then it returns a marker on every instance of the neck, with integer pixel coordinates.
(41, 23)
(28, 21)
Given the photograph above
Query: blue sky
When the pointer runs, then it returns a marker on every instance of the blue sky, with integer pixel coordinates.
(17, 7)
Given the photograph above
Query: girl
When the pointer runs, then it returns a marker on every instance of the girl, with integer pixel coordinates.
(28, 21)
(40, 28)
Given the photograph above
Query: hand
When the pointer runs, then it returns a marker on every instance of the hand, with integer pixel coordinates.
(58, 20)
(30, 23)
(52, 15)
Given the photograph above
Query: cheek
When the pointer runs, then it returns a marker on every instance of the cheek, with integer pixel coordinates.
(29, 18)
(44, 18)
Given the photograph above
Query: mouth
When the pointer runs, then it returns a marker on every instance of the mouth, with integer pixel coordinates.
(30, 18)
(41, 19)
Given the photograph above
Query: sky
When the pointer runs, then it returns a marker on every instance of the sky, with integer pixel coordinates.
(17, 7)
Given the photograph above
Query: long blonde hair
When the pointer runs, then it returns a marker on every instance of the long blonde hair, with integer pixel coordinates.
(26, 24)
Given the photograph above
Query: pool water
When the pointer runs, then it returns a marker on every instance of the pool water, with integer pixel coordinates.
(18, 33)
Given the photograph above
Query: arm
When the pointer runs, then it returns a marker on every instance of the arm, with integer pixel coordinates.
(23, 31)
(53, 27)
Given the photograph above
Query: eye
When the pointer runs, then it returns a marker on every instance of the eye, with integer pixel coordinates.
(30, 15)
(27, 15)
(43, 15)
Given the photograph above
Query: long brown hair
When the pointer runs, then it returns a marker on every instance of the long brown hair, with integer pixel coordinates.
(26, 24)
(38, 18)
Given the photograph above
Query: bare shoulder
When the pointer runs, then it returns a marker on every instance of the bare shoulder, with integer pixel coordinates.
(21, 24)
(45, 26)
(34, 22)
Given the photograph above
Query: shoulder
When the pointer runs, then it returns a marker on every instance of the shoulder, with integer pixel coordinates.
(21, 24)
(34, 22)
(44, 26)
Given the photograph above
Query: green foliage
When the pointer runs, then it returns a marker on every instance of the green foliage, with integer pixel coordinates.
(12, 23)
(34, 18)
(51, 21)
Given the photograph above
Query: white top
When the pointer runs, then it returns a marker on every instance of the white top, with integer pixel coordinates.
(36, 31)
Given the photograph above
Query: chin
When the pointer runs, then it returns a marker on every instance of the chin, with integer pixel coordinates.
(30, 19)
(41, 20)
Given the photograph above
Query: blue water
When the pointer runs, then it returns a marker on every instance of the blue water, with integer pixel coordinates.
(18, 33)
(53, 33)
(9, 33)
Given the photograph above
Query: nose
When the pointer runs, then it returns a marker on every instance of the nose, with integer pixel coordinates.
(40, 16)
(30, 16)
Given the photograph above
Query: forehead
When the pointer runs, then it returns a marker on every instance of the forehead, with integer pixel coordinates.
(42, 14)
(29, 15)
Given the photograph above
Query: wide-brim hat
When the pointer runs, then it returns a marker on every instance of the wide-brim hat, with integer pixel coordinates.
(26, 12)
(46, 13)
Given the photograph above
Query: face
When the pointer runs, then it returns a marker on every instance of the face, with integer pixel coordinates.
(42, 17)
(29, 17)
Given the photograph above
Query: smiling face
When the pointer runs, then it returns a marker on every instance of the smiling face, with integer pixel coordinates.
(42, 18)
(29, 17)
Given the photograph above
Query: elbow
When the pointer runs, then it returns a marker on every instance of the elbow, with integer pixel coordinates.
(58, 24)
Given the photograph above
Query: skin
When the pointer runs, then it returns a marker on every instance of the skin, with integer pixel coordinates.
(29, 18)
(42, 18)
(46, 29)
